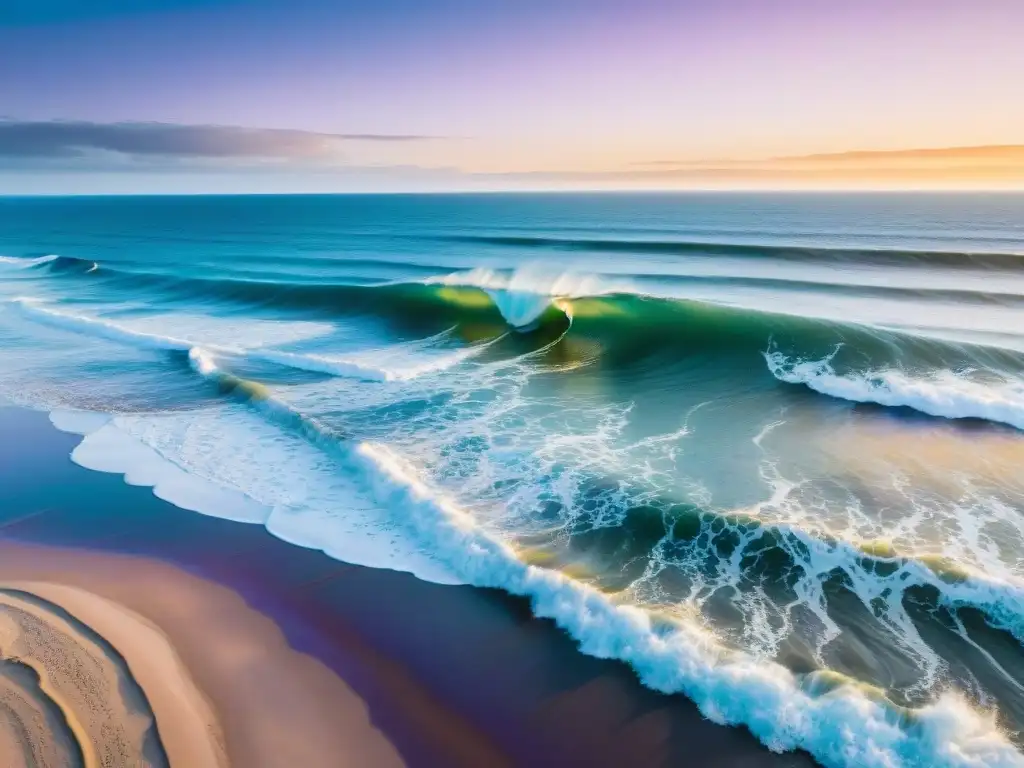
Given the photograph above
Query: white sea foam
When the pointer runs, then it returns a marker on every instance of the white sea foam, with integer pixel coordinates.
(231, 465)
(78, 422)
(957, 585)
(785, 710)
(242, 333)
(846, 725)
(397, 363)
(24, 262)
(98, 328)
(364, 503)
(943, 394)
(105, 448)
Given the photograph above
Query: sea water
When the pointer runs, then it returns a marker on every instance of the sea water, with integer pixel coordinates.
(766, 449)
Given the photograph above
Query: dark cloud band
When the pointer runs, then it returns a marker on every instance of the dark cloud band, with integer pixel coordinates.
(71, 139)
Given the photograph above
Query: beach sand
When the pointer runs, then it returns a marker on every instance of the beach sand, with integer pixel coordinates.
(254, 651)
(103, 702)
(148, 640)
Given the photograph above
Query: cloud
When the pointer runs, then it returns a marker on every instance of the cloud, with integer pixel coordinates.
(993, 152)
(1012, 154)
(64, 142)
(986, 166)
(993, 175)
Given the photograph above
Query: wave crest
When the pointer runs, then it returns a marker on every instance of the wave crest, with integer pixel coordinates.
(944, 393)
(525, 295)
(397, 363)
(785, 711)
(24, 262)
(815, 712)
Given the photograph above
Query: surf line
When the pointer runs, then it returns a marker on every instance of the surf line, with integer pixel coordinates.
(786, 711)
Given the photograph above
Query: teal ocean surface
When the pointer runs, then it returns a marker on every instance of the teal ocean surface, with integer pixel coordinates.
(766, 449)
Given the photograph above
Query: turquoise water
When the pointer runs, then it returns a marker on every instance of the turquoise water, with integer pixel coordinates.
(764, 448)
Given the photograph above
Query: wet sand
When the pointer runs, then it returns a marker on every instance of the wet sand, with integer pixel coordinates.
(138, 644)
(438, 675)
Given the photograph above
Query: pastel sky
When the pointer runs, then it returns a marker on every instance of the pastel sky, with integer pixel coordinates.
(320, 95)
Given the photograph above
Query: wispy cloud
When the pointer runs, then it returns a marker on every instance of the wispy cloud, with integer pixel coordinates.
(928, 157)
(973, 177)
(995, 152)
(995, 166)
(57, 140)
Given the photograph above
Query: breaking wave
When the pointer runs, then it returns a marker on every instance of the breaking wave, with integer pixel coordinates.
(816, 712)
(525, 296)
(836, 719)
(623, 308)
(403, 366)
(943, 393)
(830, 618)
(25, 262)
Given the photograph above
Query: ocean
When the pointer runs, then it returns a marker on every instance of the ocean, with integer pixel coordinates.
(764, 448)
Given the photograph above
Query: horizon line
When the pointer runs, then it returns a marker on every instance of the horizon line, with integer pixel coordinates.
(547, 191)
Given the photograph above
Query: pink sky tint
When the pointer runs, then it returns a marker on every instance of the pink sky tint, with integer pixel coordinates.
(564, 85)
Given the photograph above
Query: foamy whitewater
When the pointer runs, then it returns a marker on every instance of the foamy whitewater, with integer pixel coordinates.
(943, 393)
(764, 450)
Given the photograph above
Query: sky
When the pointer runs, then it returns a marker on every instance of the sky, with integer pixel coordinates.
(382, 95)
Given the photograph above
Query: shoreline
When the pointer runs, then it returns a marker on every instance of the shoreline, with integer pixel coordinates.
(448, 674)
(218, 679)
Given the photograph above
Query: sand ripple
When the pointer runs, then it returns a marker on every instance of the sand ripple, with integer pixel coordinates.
(70, 696)
(139, 664)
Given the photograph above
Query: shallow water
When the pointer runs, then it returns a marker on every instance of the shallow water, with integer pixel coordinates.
(764, 448)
